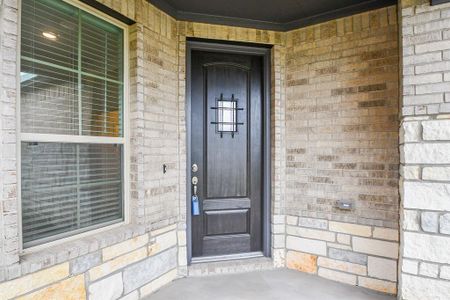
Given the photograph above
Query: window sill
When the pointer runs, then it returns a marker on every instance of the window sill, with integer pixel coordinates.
(53, 255)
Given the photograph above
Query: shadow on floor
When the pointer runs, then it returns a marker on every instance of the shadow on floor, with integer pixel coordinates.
(279, 284)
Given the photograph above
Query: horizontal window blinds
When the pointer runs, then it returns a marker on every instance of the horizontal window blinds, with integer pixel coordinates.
(77, 74)
(72, 84)
(66, 187)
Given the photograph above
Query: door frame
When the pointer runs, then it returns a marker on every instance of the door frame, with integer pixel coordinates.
(263, 51)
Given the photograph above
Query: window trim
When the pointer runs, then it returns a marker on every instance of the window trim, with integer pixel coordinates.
(124, 140)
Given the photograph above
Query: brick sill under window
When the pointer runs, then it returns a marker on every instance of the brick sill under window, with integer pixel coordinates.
(60, 253)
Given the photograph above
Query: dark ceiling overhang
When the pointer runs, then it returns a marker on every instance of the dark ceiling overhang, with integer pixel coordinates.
(310, 16)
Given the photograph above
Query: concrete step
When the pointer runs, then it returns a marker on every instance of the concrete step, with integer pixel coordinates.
(242, 265)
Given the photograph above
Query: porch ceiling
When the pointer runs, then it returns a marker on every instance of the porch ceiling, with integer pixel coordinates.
(280, 15)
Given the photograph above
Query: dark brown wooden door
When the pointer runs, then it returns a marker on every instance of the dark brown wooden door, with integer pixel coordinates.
(226, 145)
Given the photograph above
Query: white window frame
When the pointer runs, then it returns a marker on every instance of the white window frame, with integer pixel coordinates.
(124, 141)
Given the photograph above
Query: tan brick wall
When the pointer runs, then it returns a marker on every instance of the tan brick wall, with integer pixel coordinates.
(425, 151)
(153, 116)
(342, 145)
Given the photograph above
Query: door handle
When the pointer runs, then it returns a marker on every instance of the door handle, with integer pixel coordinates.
(194, 184)
(195, 202)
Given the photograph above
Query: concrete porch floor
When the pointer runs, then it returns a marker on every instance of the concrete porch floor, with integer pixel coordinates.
(279, 284)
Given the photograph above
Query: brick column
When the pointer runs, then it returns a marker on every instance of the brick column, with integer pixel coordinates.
(8, 94)
(425, 151)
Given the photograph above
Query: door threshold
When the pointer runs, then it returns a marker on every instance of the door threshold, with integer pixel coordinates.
(227, 257)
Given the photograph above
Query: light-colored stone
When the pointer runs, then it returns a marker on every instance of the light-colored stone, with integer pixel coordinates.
(69, 289)
(163, 230)
(436, 173)
(378, 285)
(426, 195)
(385, 234)
(339, 246)
(131, 296)
(108, 288)
(429, 221)
(410, 172)
(445, 272)
(337, 276)
(427, 153)
(444, 224)
(426, 247)
(437, 130)
(25, 284)
(343, 238)
(291, 220)
(342, 266)
(181, 238)
(85, 262)
(278, 228)
(279, 240)
(411, 220)
(117, 263)
(429, 270)
(303, 262)
(410, 266)
(182, 256)
(353, 229)
(414, 287)
(306, 245)
(311, 233)
(375, 247)
(162, 242)
(382, 268)
(124, 247)
(312, 223)
(149, 269)
(349, 256)
(279, 258)
(411, 131)
(158, 283)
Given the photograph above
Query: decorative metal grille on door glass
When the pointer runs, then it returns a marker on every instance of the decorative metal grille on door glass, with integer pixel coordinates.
(226, 115)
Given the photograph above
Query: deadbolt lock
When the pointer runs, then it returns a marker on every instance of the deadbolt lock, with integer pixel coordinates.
(194, 168)
(194, 180)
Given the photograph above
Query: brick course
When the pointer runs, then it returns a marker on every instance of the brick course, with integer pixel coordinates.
(342, 145)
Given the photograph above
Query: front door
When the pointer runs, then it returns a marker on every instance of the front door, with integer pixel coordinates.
(226, 152)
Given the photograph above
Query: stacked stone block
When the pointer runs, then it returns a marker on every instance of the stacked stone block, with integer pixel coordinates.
(342, 145)
(131, 269)
(349, 253)
(425, 151)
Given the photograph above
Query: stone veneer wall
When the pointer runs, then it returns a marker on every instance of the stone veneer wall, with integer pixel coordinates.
(425, 151)
(342, 145)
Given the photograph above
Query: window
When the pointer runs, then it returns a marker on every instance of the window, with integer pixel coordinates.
(71, 121)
